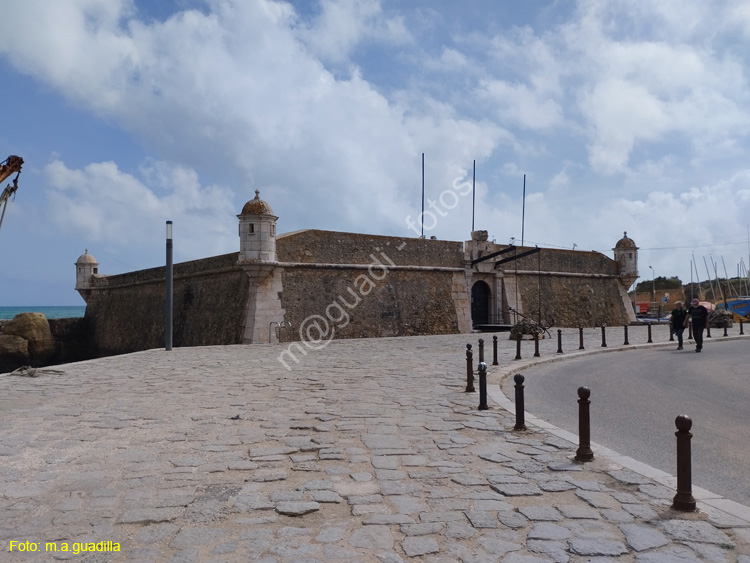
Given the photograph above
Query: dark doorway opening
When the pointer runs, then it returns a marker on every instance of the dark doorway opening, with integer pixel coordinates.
(480, 303)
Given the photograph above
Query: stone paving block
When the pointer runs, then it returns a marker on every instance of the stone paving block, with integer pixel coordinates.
(422, 529)
(364, 509)
(553, 486)
(541, 513)
(598, 548)
(512, 519)
(548, 531)
(556, 550)
(148, 515)
(399, 488)
(499, 544)
(517, 490)
(196, 537)
(641, 537)
(673, 554)
(642, 511)
(599, 500)
(701, 532)
(372, 537)
(416, 546)
(327, 496)
(291, 508)
(156, 532)
(577, 511)
(447, 516)
(385, 519)
(390, 558)
(296, 550)
(482, 519)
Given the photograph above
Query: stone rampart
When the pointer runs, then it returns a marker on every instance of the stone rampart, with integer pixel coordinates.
(571, 301)
(355, 304)
(558, 260)
(328, 247)
(127, 312)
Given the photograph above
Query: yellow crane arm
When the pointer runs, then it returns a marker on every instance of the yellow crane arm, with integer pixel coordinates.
(10, 165)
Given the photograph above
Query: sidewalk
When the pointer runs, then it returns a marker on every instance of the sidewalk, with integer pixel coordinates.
(367, 450)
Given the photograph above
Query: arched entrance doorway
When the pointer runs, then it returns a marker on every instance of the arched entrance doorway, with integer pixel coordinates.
(480, 303)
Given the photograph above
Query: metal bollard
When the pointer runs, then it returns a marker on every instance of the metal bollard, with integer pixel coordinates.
(469, 369)
(742, 331)
(518, 347)
(708, 330)
(671, 332)
(559, 341)
(626, 343)
(725, 329)
(604, 337)
(494, 351)
(536, 344)
(584, 453)
(481, 349)
(649, 334)
(520, 422)
(580, 337)
(684, 500)
(690, 331)
(483, 387)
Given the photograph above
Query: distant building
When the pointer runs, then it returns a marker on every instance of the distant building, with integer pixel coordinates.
(315, 285)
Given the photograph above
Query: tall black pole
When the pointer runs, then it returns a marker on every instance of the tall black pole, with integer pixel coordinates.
(473, 192)
(422, 221)
(168, 317)
(523, 208)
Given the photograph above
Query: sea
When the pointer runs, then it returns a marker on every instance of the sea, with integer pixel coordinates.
(51, 312)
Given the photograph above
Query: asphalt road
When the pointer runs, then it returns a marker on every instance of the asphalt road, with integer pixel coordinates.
(636, 395)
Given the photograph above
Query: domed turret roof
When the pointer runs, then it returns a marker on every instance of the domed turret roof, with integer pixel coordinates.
(86, 258)
(626, 243)
(257, 206)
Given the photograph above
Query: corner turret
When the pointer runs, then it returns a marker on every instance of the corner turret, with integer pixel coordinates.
(257, 231)
(86, 267)
(626, 256)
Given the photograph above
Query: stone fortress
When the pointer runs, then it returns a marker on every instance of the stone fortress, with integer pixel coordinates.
(317, 285)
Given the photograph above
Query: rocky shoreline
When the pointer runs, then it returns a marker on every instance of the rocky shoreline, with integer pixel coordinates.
(30, 339)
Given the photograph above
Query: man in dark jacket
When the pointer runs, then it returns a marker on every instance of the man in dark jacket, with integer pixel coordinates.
(679, 314)
(699, 318)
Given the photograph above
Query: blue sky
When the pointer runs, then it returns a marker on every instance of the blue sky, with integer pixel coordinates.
(624, 116)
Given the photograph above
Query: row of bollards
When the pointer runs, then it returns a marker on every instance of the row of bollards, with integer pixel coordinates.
(683, 500)
(626, 341)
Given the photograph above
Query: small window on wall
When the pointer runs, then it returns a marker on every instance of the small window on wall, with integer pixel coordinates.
(630, 255)
(273, 230)
(96, 270)
(252, 228)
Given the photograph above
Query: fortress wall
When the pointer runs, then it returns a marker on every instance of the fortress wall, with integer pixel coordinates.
(193, 267)
(571, 301)
(557, 260)
(328, 247)
(127, 312)
(403, 303)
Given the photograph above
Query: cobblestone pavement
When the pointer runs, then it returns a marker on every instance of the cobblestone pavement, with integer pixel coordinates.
(367, 450)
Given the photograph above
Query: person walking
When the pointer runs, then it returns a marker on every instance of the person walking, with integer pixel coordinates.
(699, 318)
(677, 321)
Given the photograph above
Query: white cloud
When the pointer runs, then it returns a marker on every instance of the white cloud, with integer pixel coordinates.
(344, 24)
(101, 203)
(517, 104)
(639, 90)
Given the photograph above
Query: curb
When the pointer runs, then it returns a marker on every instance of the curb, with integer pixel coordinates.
(706, 500)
